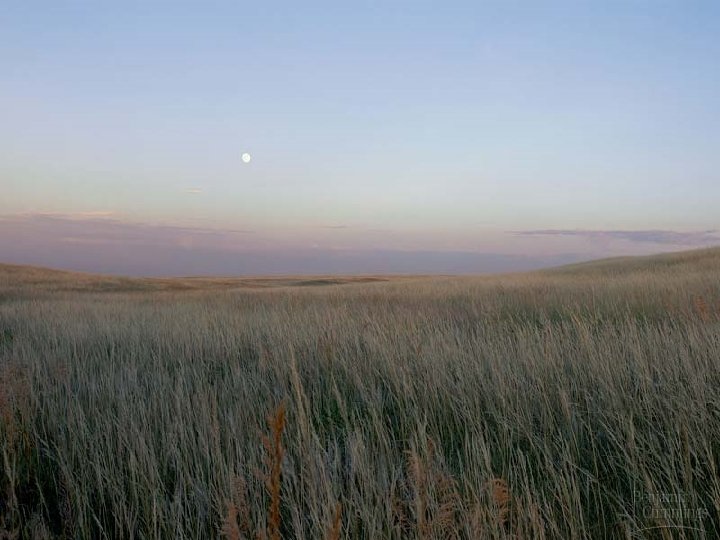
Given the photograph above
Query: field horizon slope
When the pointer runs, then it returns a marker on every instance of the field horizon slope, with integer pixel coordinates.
(13, 274)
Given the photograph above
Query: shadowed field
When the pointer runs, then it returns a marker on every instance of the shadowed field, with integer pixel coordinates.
(580, 402)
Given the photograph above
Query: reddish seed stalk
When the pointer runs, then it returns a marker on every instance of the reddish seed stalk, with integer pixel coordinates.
(273, 461)
(336, 526)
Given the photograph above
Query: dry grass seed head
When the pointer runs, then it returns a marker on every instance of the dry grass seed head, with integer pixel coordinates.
(274, 453)
(335, 528)
(500, 495)
(230, 528)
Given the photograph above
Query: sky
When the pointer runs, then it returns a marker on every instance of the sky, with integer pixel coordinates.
(410, 137)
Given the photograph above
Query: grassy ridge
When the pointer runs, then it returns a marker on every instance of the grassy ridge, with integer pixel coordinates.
(577, 403)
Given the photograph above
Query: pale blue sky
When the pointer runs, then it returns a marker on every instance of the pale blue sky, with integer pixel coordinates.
(412, 127)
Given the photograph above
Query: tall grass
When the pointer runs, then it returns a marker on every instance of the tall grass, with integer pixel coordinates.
(576, 404)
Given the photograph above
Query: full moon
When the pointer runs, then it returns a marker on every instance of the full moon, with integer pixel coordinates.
(246, 157)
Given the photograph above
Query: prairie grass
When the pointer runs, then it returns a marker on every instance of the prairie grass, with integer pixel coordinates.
(582, 402)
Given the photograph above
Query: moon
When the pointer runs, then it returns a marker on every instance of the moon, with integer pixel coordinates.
(246, 157)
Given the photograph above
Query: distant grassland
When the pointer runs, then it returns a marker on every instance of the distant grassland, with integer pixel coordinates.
(582, 402)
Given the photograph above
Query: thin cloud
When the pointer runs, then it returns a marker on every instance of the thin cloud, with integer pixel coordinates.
(652, 236)
(83, 241)
(193, 190)
(335, 227)
(95, 229)
(89, 215)
(96, 214)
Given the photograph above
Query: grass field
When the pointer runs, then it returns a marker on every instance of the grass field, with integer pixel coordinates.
(581, 402)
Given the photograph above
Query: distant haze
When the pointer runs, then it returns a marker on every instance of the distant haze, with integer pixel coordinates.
(103, 244)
